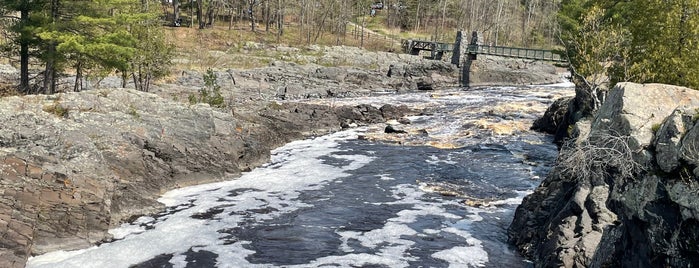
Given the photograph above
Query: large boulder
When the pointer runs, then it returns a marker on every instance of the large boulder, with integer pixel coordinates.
(620, 195)
(553, 118)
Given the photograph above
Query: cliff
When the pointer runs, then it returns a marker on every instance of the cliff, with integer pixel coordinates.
(623, 192)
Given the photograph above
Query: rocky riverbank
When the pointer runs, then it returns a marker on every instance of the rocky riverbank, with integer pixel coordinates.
(75, 164)
(624, 190)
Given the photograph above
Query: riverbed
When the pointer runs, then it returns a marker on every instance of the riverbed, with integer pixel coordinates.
(440, 195)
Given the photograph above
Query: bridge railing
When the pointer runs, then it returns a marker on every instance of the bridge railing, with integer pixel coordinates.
(409, 45)
(515, 52)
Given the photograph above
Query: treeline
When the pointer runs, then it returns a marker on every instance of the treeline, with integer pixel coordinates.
(99, 38)
(643, 41)
(506, 22)
(86, 37)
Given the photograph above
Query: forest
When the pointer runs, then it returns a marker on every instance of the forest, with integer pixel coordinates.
(523, 22)
(50, 38)
(606, 41)
(642, 41)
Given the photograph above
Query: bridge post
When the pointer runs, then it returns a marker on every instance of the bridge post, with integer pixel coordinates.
(465, 77)
(473, 46)
(456, 53)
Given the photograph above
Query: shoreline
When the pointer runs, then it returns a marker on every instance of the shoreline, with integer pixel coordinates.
(90, 160)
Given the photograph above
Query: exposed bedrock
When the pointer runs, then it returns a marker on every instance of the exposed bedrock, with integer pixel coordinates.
(74, 165)
(625, 191)
(500, 71)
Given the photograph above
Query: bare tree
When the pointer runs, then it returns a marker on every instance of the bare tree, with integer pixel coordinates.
(280, 19)
(176, 12)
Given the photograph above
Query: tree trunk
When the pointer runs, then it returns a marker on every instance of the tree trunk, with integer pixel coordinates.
(280, 20)
(176, 12)
(444, 16)
(322, 23)
(136, 79)
(498, 21)
(200, 15)
(78, 85)
(267, 16)
(191, 13)
(417, 17)
(124, 78)
(230, 19)
(50, 80)
(210, 16)
(251, 13)
(361, 42)
(303, 20)
(50, 74)
(24, 50)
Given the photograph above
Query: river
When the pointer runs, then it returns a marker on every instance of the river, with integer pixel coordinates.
(441, 196)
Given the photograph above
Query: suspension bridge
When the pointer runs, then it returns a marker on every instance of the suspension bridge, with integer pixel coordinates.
(438, 49)
(473, 49)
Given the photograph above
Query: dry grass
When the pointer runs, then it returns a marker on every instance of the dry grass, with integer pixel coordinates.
(221, 48)
(8, 90)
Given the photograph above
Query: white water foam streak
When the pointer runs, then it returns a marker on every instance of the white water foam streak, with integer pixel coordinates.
(275, 186)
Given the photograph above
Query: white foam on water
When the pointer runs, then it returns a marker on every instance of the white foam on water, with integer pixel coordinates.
(125, 230)
(179, 261)
(390, 238)
(56, 256)
(473, 255)
(236, 257)
(386, 177)
(275, 187)
(513, 200)
(356, 260)
(131, 228)
(435, 160)
(565, 82)
(463, 256)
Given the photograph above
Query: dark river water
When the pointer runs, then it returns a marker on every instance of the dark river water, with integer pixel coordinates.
(342, 201)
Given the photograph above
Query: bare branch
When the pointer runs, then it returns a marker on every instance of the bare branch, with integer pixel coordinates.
(600, 154)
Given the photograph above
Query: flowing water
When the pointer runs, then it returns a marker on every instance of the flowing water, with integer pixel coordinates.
(358, 198)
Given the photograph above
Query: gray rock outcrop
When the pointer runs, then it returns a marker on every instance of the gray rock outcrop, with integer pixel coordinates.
(500, 71)
(551, 121)
(624, 193)
(74, 165)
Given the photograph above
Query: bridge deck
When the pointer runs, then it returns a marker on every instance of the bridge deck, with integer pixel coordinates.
(515, 52)
(411, 45)
(437, 49)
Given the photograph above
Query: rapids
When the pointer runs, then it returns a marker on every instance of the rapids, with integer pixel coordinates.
(441, 195)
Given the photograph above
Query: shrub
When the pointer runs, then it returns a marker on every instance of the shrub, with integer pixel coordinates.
(210, 93)
(598, 155)
(56, 108)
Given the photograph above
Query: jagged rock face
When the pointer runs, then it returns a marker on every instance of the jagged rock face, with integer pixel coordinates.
(289, 81)
(494, 70)
(552, 120)
(74, 165)
(626, 193)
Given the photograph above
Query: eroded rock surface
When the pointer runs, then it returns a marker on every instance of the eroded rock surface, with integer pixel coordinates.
(494, 70)
(74, 165)
(624, 193)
